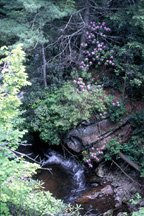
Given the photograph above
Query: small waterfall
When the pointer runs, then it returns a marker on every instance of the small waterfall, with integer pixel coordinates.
(71, 167)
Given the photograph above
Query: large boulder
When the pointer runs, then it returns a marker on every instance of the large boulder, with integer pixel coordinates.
(86, 135)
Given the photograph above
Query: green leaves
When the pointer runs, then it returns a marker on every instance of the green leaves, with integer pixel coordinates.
(20, 195)
(113, 147)
(62, 109)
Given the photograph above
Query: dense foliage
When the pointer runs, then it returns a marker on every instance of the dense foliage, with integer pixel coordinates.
(19, 193)
(75, 50)
(64, 108)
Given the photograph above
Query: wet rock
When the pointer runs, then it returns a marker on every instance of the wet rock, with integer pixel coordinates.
(93, 179)
(121, 214)
(91, 214)
(88, 196)
(141, 202)
(94, 185)
(107, 190)
(108, 213)
(118, 201)
(100, 171)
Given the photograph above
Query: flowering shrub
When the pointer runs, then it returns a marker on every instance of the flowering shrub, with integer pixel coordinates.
(62, 109)
(91, 155)
(116, 110)
(96, 50)
(81, 86)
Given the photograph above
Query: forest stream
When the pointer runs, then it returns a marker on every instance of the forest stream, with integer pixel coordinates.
(69, 181)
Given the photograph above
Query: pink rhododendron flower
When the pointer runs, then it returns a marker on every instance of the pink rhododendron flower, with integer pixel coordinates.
(74, 81)
(100, 114)
(113, 104)
(88, 87)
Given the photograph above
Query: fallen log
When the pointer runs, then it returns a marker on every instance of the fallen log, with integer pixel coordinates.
(131, 163)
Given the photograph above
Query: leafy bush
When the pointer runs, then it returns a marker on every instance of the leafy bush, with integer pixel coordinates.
(112, 149)
(62, 109)
(139, 213)
(91, 155)
(20, 195)
(134, 150)
(137, 121)
(116, 109)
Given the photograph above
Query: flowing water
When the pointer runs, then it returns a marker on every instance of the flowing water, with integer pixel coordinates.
(68, 182)
(67, 178)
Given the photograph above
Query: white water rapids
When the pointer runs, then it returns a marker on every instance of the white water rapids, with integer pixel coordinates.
(71, 167)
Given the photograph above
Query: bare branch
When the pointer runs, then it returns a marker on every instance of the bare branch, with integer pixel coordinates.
(126, 174)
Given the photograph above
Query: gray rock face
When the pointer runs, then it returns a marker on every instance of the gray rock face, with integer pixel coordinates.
(83, 136)
(100, 171)
(107, 190)
(121, 214)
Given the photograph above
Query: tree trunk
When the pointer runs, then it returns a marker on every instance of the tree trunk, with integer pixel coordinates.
(86, 23)
(44, 65)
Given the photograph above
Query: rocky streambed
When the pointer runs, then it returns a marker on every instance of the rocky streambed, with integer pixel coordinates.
(102, 191)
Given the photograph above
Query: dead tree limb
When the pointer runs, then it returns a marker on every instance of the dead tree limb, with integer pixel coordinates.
(131, 163)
